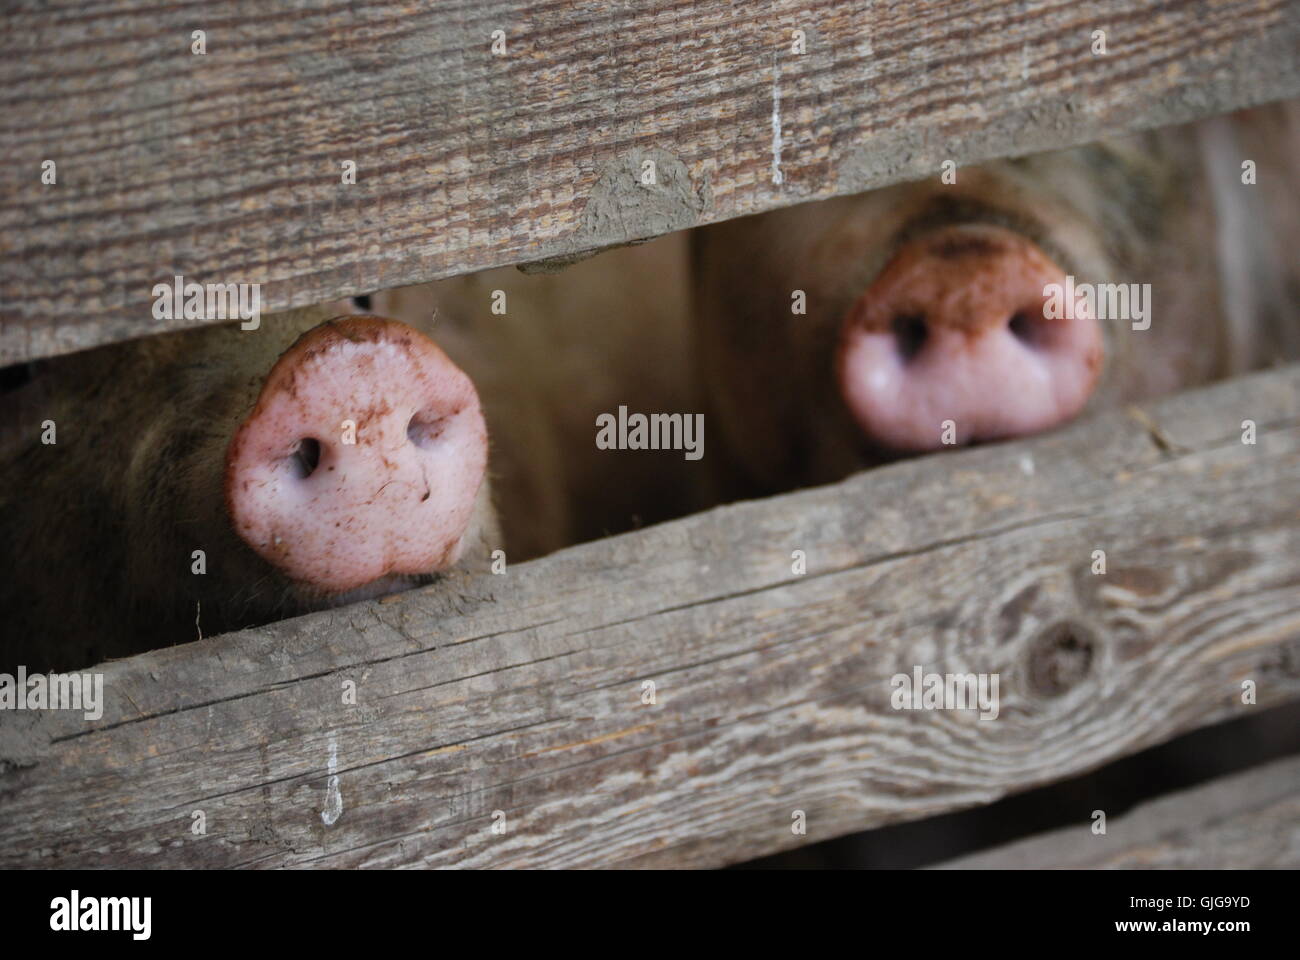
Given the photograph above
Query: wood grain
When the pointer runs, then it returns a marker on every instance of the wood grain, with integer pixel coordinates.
(227, 167)
(522, 692)
(1248, 821)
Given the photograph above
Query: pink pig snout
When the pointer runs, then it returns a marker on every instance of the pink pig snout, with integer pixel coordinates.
(363, 457)
(956, 328)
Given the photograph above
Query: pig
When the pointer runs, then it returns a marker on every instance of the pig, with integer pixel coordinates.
(204, 441)
(331, 455)
(933, 311)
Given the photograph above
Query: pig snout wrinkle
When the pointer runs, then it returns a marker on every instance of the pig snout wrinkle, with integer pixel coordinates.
(362, 458)
(951, 344)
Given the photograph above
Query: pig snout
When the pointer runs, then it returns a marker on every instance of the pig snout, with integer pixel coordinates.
(363, 457)
(956, 327)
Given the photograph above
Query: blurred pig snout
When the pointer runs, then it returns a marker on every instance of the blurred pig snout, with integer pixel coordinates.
(955, 328)
(363, 457)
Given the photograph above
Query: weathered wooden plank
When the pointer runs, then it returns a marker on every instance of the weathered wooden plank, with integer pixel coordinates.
(227, 167)
(1247, 821)
(522, 692)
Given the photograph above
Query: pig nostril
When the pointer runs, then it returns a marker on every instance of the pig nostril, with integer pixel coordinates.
(424, 429)
(1024, 329)
(910, 333)
(306, 457)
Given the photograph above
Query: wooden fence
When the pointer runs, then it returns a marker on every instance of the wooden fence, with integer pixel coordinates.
(521, 699)
(228, 166)
(684, 695)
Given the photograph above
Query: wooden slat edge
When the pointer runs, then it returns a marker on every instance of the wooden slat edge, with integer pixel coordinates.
(523, 693)
(1247, 821)
(227, 167)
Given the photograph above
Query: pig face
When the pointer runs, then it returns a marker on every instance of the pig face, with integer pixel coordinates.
(228, 487)
(924, 315)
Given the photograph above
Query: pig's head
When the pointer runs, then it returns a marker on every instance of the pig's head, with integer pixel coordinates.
(841, 334)
(315, 461)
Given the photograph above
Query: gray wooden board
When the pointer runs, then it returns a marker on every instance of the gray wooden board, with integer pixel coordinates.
(1246, 821)
(227, 167)
(522, 692)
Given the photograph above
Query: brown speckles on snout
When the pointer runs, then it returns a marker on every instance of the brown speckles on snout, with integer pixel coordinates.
(375, 501)
(955, 331)
(960, 278)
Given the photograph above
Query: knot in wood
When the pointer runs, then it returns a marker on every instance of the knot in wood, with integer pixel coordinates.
(1060, 658)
